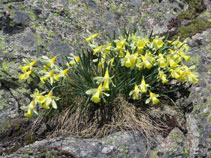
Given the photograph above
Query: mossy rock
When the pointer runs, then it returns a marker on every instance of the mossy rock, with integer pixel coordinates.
(196, 26)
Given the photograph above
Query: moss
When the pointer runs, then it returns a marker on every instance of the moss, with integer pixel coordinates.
(154, 154)
(29, 139)
(197, 26)
(5, 126)
(195, 7)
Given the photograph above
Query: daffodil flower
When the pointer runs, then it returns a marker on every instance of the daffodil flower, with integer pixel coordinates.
(157, 43)
(126, 60)
(49, 62)
(26, 75)
(183, 55)
(62, 73)
(185, 47)
(178, 74)
(97, 93)
(142, 42)
(38, 97)
(162, 61)
(30, 109)
(73, 60)
(120, 43)
(162, 76)
(97, 49)
(107, 48)
(139, 64)
(143, 86)
(129, 60)
(135, 93)
(101, 62)
(190, 75)
(146, 61)
(171, 62)
(50, 100)
(28, 66)
(48, 75)
(91, 37)
(153, 98)
(106, 80)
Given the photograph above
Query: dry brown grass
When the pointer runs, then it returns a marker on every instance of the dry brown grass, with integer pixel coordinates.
(100, 121)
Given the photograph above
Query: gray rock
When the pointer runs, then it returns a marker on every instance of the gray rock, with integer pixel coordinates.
(109, 16)
(92, 4)
(118, 145)
(174, 145)
(58, 47)
(136, 3)
(21, 18)
(28, 41)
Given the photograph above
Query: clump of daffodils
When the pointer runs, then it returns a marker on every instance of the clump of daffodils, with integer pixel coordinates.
(49, 75)
(141, 64)
(134, 66)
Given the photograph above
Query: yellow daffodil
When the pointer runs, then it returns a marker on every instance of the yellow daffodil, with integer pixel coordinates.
(157, 43)
(28, 65)
(139, 64)
(162, 76)
(49, 62)
(183, 55)
(102, 61)
(143, 86)
(146, 61)
(171, 62)
(120, 43)
(107, 48)
(97, 93)
(97, 49)
(38, 97)
(50, 100)
(106, 80)
(121, 52)
(129, 61)
(126, 60)
(192, 77)
(177, 73)
(135, 93)
(26, 75)
(96, 97)
(162, 61)
(153, 98)
(91, 37)
(30, 109)
(185, 47)
(73, 60)
(110, 62)
(62, 73)
(141, 42)
(48, 75)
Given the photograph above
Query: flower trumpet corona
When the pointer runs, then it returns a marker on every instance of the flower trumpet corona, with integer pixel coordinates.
(143, 86)
(106, 80)
(153, 98)
(135, 93)
(91, 37)
(97, 93)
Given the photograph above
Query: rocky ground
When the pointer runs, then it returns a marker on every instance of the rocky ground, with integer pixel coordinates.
(30, 28)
